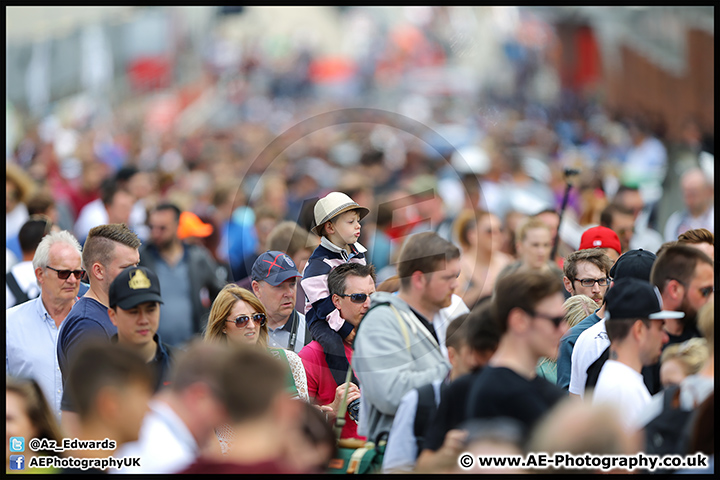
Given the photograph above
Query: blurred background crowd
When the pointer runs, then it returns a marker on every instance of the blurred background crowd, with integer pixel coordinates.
(245, 115)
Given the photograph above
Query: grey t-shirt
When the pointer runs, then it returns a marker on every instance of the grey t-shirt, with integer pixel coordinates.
(176, 322)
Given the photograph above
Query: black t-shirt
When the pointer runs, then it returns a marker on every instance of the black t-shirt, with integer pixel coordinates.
(500, 392)
(430, 327)
(451, 412)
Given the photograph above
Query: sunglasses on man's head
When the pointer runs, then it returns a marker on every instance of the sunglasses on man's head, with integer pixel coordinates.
(356, 297)
(242, 320)
(65, 274)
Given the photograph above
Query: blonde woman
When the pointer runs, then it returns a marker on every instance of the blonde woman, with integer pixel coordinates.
(577, 308)
(680, 360)
(238, 316)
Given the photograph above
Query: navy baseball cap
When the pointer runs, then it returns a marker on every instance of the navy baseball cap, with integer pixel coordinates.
(134, 285)
(634, 298)
(274, 267)
(633, 263)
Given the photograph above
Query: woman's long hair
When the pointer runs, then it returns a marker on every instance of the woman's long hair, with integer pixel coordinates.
(37, 407)
(223, 305)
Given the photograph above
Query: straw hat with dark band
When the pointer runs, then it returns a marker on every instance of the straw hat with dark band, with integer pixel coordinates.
(332, 205)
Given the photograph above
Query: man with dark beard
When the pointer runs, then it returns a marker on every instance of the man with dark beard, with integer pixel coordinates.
(686, 280)
(190, 277)
(684, 277)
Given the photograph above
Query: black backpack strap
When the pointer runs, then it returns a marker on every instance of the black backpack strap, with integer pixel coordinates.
(593, 371)
(426, 408)
(20, 296)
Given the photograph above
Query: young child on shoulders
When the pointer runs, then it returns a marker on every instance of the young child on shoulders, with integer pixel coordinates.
(337, 222)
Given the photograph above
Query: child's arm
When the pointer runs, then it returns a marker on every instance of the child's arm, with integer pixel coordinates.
(319, 305)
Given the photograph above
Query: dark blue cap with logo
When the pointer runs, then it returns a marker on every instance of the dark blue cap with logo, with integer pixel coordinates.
(274, 267)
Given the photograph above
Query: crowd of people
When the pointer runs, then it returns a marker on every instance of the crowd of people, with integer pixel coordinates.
(406, 365)
(267, 295)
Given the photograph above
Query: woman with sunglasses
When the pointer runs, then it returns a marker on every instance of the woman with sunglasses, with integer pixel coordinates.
(237, 316)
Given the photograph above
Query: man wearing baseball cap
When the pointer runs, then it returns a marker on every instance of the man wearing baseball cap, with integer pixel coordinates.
(274, 281)
(134, 309)
(602, 237)
(634, 322)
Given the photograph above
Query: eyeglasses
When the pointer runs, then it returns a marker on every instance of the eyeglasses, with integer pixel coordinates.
(356, 297)
(555, 320)
(65, 274)
(242, 320)
(589, 282)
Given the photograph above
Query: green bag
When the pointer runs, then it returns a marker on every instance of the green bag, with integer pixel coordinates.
(355, 455)
(363, 457)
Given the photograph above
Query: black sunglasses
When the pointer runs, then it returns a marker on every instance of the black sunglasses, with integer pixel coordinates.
(242, 320)
(355, 297)
(65, 274)
(555, 320)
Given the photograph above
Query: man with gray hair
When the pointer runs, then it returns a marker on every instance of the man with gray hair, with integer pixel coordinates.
(31, 328)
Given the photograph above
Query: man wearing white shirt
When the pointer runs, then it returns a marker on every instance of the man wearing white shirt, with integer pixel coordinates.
(183, 417)
(115, 205)
(20, 283)
(32, 327)
(634, 324)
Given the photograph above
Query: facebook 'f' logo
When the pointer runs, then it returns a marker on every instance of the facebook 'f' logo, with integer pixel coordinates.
(17, 462)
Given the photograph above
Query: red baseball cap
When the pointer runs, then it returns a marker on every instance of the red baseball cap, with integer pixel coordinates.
(600, 237)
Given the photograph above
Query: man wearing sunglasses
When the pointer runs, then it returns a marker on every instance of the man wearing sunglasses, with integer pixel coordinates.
(685, 277)
(528, 307)
(350, 286)
(32, 327)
